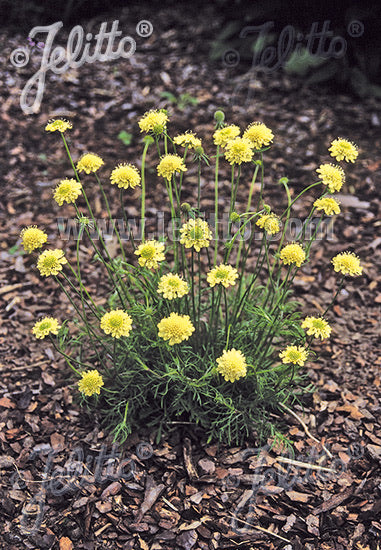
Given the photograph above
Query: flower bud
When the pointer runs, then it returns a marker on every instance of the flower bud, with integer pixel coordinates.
(186, 207)
(234, 217)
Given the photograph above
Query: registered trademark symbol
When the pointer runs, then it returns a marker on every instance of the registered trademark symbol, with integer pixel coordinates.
(355, 28)
(144, 28)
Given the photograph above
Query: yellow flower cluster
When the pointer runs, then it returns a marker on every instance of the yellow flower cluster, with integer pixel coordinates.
(293, 254)
(332, 176)
(67, 191)
(225, 275)
(58, 125)
(269, 222)
(117, 323)
(50, 262)
(347, 263)
(258, 134)
(238, 150)
(150, 252)
(342, 149)
(169, 165)
(328, 205)
(172, 286)
(125, 176)
(89, 162)
(90, 383)
(296, 355)
(232, 365)
(175, 328)
(224, 135)
(317, 326)
(196, 234)
(32, 238)
(187, 140)
(153, 121)
(47, 325)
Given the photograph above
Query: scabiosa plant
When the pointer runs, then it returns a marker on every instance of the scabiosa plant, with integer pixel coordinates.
(198, 326)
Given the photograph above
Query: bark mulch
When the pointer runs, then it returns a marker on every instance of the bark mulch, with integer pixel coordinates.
(63, 483)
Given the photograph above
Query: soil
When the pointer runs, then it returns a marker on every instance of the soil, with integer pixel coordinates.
(63, 484)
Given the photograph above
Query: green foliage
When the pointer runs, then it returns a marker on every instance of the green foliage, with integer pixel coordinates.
(223, 371)
(182, 101)
(125, 137)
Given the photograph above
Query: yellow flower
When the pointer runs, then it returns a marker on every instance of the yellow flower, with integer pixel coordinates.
(47, 325)
(195, 233)
(222, 274)
(150, 252)
(269, 222)
(89, 163)
(58, 125)
(32, 238)
(258, 134)
(170, 164)
(293, 254)
(50, 262)
(90, 383)
(68, 190)
(328, 204)
(224, 135)
(153, 121)
(172, 286)
(232, 365)
(175, 328)
(347, 263)
(117, 323)
(332, 176)
(187, 140)
(294, 354)
(342, 149)
(238, 150)
(317, 326)
(125, 176)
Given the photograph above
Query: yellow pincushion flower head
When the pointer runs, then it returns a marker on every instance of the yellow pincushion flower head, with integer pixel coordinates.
(238, 150)
(232, 365)
(342, 149)
(317, 326)
(222, 274)
(47, 325)
(150, 252)
(117, 323)
(175, 328)
(67, 191)
(187, 140)
(154, 121)
(125, 176)
(224, 135)
(196, 234)
(89, 162)
(258, 134)
(329, 205)
(58, 125)
(292, 254)
(90, 383)
(294, 354)
(332, 176)
(172, 286)
(269, 222)
(347, 263)
(50, 262)
(32, 238)
(169, 165)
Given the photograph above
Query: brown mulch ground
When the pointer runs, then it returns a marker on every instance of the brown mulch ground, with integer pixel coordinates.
(61, 479)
